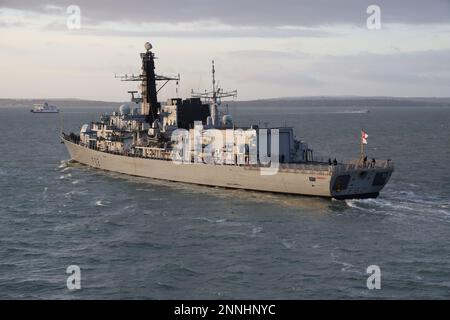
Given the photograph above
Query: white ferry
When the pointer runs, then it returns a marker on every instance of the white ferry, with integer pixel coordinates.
(44, 108)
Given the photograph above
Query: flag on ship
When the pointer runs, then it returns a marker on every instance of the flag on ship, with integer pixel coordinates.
(364, 137)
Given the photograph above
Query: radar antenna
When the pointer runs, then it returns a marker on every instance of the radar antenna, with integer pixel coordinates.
(148, 79)
(214, 97)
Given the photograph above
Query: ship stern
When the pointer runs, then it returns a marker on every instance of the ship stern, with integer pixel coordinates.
(357, 180)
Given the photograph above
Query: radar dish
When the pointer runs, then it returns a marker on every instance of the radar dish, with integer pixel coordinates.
(148, 46)
(124, 110)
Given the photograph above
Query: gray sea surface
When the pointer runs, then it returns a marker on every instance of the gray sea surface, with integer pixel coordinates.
(140, 238)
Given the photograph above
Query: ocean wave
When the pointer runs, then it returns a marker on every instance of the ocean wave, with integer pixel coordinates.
(209, 220)
(444, 212)
(63, 164)
(444, 284)
(113, 223)
(288, 244)
(165, 285)
(426, 203)
(256, 230)
(374, 205)
(44, 193)
(76, 193)
(405, 201)
(238, 268)
(171, 268)
(102, 203)
(346, 266)
(366, 205)
(65, 176)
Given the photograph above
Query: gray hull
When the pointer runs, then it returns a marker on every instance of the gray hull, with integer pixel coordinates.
(311, 180)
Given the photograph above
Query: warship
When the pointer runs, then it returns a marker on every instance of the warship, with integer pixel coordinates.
(192, 141)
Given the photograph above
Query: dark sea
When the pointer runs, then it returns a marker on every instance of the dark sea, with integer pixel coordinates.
(139, 238)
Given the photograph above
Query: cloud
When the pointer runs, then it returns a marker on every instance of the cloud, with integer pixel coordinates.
(396, 74)
(265, 48)
(268, 54)
(54, 18)
(11, 24)
(407, 67)
(199, 29)
(268, 13)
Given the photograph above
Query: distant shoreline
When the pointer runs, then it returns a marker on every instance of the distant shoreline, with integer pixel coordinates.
(350, 102)
(60, 103)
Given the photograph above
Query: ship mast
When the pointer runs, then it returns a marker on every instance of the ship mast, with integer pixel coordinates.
(214, 97)
(148, 78)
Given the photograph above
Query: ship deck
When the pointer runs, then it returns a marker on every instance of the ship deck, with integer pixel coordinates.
(316, 167)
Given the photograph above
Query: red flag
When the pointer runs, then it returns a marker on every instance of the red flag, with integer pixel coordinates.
(364, 137)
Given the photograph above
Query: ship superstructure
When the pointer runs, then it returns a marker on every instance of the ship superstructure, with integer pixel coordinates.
(143, 138)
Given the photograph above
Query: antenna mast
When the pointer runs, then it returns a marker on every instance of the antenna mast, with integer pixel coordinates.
(214, 97)
(148, 78)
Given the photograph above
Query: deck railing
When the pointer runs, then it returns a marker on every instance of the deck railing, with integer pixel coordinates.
(314, 167)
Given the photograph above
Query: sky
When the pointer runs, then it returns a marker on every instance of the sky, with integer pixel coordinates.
(262, 48)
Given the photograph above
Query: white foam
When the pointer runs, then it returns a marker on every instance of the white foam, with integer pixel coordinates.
(44, 194)
(76, 192)
(210, 220)
(65, 176)
(423, 207)
(63, 164)
(351, 203)
(101, 203)
(288, 244)
(256, 230)
(346, 266)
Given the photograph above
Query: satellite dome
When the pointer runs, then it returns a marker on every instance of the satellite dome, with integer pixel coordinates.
(84, 128)
(124, 110)
(227, 119)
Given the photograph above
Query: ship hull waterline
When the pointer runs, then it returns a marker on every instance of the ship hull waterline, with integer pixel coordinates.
(307, 183)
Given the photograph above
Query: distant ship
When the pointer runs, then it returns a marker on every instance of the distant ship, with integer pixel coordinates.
(355, 111)
(360, 111)
(143, 138)
(44, 108)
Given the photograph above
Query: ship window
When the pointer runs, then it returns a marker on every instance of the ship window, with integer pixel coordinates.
(380, 179)
(341, 183)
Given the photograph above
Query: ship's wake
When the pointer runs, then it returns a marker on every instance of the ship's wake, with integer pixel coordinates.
(405, 202)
